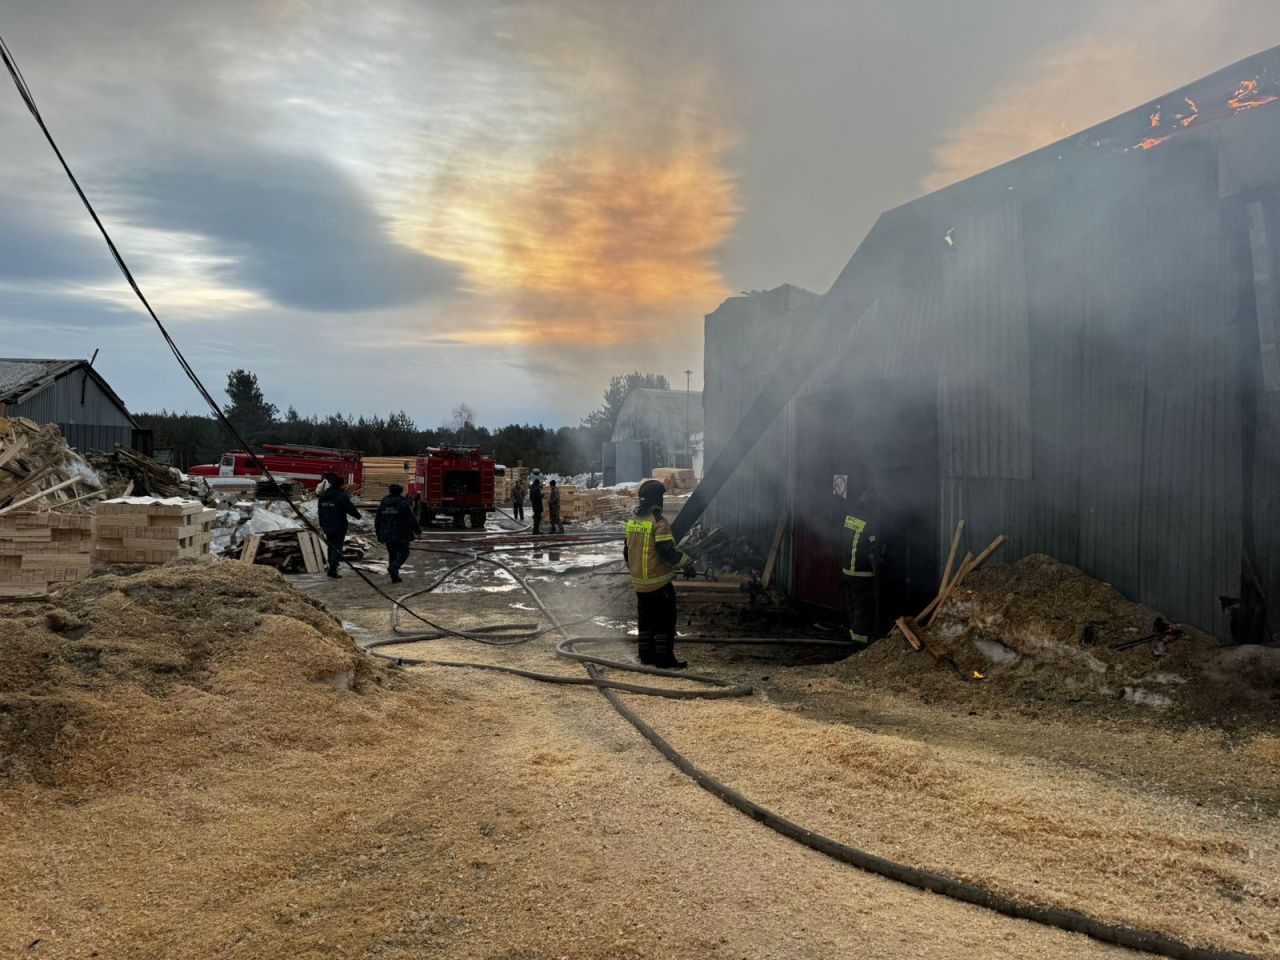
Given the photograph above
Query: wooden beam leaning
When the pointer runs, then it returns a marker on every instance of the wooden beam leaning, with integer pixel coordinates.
(966, 568)
(775, 548)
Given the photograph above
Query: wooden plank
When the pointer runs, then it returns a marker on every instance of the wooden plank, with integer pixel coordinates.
(966, 569)
(13, 449)
(250, 549)
(771, 562)
(908, 633)
(307, 544)
(951, 557)
(932, 609)
(38, 494)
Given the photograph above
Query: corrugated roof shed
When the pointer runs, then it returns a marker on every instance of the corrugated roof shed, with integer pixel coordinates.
(71, 394)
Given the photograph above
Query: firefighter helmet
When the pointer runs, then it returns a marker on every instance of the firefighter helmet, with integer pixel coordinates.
(651, 491)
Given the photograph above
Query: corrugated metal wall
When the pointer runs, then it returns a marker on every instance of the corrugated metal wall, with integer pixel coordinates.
(98, 424)
(744, 339)
(1082, 341)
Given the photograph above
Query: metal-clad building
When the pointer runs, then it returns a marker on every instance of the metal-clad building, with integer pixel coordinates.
(666, 418)
(1079, 349)
(744, 338)
(73, 395)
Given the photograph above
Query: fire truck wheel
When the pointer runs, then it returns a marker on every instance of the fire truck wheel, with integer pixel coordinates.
(457, 521)
(477, 520)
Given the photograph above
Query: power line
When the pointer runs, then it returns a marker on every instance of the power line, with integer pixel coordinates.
(24, 91)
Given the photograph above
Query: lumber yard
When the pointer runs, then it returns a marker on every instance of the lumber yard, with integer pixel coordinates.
(943, 620)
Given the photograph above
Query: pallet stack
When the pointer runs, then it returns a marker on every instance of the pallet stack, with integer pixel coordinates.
(675, 479)
(42, 551)
(381, 472)
(577, 505)
(504, 486)
(151, 530)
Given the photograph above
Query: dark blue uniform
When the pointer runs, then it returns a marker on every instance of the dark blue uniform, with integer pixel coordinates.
(334, 508)
(535, 501)
(396, 526)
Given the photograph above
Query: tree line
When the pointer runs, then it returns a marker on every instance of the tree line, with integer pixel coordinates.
(193, 439)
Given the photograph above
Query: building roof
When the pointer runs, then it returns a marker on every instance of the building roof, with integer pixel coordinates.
(660, 415)
(23, 377)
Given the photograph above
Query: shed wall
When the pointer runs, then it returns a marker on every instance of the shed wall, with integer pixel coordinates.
(97, 424)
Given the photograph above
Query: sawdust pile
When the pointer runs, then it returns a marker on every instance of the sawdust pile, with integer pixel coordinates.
(1042, 632)
(137, 674)
(1210, 875)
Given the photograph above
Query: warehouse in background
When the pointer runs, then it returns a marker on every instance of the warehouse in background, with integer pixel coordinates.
(655, 428)
(73, 395)
(1079, 350)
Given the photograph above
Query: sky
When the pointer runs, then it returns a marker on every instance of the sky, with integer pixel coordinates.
(407, 204)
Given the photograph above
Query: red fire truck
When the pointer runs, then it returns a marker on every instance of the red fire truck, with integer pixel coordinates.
(304, 466)
(455, 482)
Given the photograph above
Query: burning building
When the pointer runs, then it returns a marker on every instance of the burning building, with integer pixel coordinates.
(1079, 349)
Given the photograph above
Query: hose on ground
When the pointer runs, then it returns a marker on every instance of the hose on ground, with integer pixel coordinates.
(1073, 921)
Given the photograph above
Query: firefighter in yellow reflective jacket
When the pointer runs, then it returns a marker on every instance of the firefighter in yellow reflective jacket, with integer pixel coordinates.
(653, 561)
(861, 585)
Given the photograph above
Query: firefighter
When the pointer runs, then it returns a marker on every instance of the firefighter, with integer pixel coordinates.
(553, 506)
(861, 575)
(535, 499)
(653, 561)
(518, 493)
(334, 507)
(396, 526)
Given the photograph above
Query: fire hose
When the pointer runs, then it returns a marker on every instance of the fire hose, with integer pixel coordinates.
(1147, 941)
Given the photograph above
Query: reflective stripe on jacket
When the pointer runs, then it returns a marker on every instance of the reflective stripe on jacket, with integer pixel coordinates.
(649, 570)
(855, 528)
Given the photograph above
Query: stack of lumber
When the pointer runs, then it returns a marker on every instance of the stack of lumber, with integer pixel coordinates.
(504, 486)
(39, 471)
(381, 472)
(577, 505)
(674, 478)
(151, 530)
(41, 551)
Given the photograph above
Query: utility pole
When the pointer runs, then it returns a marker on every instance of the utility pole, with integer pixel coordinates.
(688, 439)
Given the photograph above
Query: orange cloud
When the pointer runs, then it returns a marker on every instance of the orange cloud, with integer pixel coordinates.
(594, 238)
(598, 204)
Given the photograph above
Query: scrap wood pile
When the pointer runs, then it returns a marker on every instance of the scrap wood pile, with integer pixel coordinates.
(125, 471)
(39, 471)
(272, 535)
(1040, 634)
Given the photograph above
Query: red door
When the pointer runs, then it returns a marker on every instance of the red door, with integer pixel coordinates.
(883, 438)
(819, 510)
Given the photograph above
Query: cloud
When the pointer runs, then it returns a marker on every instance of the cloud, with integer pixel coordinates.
(36, 245)
(1136, 51)
(609, 211)
(292, 227)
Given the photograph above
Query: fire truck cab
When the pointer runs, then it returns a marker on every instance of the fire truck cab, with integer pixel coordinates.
(304, 466)
(456, 482)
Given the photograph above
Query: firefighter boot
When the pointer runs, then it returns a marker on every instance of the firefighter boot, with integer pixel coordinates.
(666, 650)
(646, 650)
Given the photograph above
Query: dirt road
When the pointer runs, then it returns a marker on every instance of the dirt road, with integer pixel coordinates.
(460, 814)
